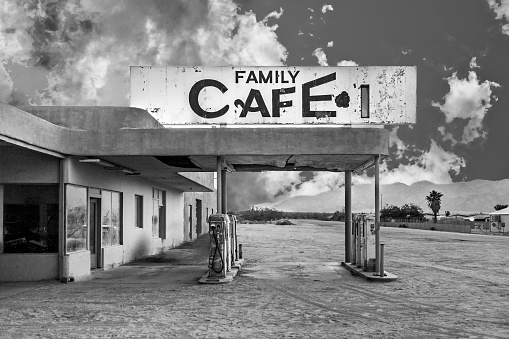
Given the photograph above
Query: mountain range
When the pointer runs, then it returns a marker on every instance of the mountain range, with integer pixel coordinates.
(474, 196)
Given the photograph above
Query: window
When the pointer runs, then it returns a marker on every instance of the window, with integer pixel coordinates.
(30, 214)
(111, 218)
(76, 218)
(158, 213)
(495, 218)
(190, 221)
(138, 211)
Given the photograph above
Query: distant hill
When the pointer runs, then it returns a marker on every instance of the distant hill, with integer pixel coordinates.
(463, 197)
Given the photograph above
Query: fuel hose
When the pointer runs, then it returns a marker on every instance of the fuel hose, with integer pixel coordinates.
(217, 251)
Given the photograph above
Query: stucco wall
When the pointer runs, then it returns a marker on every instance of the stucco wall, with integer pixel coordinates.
(112, 256)
(28, 266)
(138, 242)
(190, 222)
(76, 264)
(20, 166)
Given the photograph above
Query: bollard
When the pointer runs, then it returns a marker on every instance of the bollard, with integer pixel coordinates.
(354, 243)
(382, 269)
(240, 251)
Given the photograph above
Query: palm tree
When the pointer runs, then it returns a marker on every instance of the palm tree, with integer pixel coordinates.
(434, 202)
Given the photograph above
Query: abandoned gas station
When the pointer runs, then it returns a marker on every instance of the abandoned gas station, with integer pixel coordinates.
(83, 188)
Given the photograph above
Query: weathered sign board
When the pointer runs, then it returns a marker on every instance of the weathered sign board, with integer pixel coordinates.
(276, 95)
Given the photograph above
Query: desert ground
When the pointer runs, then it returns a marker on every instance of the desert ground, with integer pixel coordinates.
(292, 285)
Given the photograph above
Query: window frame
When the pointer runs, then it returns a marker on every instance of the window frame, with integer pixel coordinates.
(159, 201)
(138, 211)
(104, 198)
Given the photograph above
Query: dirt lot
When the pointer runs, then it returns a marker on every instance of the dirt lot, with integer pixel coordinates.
(450, 285)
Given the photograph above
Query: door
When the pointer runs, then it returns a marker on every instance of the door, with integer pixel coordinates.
(198, 217)
(95, 232)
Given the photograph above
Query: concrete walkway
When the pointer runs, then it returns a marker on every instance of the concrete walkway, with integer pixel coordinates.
(291, 286)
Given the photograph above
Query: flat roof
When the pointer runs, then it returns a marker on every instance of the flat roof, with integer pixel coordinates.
(131, 137)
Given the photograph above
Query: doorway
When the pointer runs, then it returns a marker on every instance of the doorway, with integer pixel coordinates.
(95, 233)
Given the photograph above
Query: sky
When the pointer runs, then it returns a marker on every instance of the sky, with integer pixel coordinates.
(79, 53)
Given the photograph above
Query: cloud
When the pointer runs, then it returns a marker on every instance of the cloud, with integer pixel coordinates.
(473, 63)
(502, 11)
(330, 44)
(326, 8)
(347, 63)
(85, 49)
(321, 56)
(467, 99)
(447, 135)
(435, 165)
(395, 141)
(274, 14)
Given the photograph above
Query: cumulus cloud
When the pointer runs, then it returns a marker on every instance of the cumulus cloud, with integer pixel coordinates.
(467, 99)
(435, 165)
(330, 44)
(321, 56)
(85, 48)
(326, 8)
(347, 63)
(501, 9)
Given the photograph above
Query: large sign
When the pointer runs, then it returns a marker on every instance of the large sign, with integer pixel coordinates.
(276, 95)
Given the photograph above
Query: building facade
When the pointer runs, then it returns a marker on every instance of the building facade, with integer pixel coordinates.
(64, 215)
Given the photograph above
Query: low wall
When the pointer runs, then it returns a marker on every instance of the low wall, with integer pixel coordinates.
(28, 266)
(428, 226)
(113, 256)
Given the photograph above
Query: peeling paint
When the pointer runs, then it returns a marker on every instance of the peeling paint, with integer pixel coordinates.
(271, 99)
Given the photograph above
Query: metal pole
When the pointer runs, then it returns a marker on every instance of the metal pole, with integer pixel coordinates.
(377, 214)
(382, 268)
(224, 204)
(348, 216)
(219, 189)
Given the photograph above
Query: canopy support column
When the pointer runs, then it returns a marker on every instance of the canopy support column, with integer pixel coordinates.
(377, 214)
(219, 189)
(348, 216)
(224, 201)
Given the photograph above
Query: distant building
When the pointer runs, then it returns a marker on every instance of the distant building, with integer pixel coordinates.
(499, 221)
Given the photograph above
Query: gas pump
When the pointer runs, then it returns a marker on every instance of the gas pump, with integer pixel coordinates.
(222, 266)
(369, 244)
(358, 222)
(219, 225)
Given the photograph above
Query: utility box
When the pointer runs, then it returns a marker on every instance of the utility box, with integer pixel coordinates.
(219, 230)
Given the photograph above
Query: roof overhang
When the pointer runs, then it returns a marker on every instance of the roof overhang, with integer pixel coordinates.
(152, 151)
